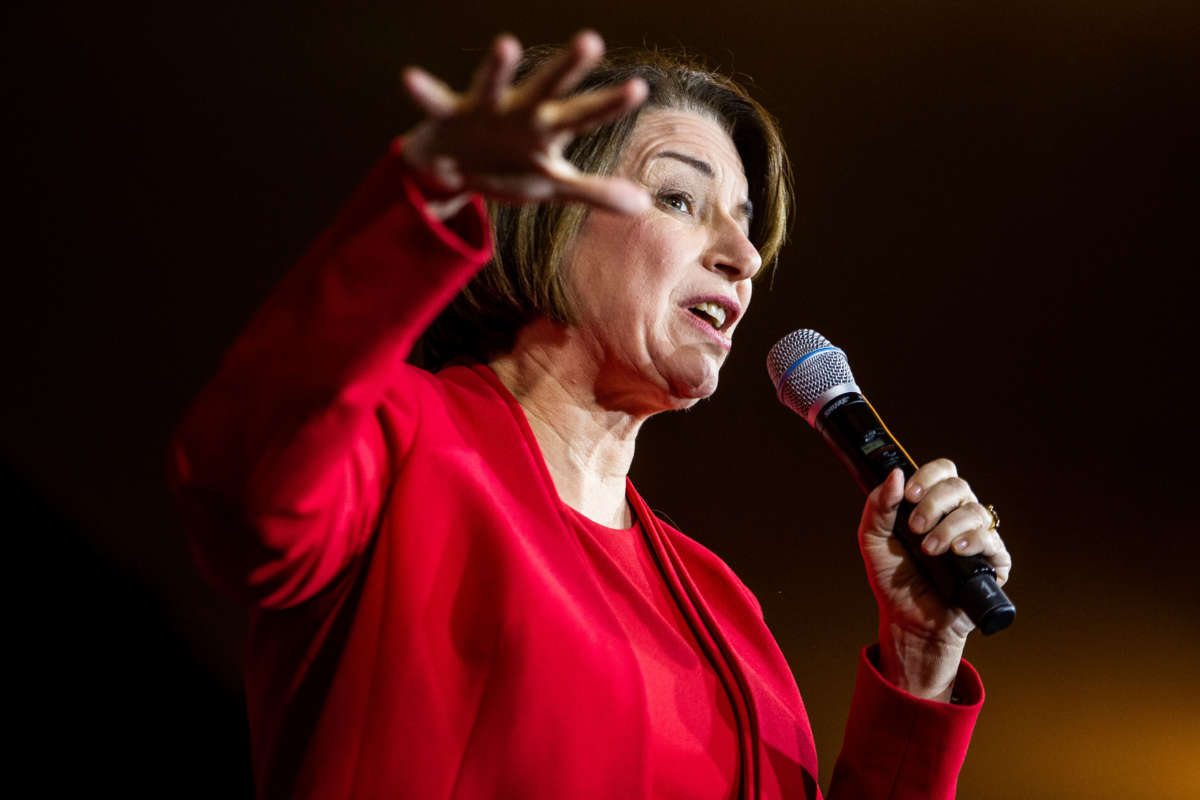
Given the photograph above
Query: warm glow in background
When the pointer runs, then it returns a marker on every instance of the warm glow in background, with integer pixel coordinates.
(996, 220)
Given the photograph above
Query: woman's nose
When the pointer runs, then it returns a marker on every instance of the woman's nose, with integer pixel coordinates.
(732, 252)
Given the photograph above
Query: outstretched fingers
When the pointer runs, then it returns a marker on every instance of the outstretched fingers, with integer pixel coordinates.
(590, 110)
(495, 73)
(611, 194)
(562, 72)
(507, 141)
(433, 96)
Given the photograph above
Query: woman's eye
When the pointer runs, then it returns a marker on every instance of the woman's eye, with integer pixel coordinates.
(676, 200)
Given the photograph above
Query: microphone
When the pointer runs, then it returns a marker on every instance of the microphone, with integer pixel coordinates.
(813, 378)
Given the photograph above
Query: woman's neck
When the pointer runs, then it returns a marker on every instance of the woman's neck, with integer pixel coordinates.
(588, 447)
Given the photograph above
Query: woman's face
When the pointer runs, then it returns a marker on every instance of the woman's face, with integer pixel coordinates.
(657, 296)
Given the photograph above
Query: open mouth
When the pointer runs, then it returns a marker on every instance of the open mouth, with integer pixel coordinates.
(710, 312)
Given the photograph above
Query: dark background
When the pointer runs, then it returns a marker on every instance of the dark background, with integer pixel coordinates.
(996, 220)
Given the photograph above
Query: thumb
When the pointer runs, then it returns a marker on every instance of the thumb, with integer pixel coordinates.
(879, 514)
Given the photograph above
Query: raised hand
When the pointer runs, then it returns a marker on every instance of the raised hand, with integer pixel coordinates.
(506, 141)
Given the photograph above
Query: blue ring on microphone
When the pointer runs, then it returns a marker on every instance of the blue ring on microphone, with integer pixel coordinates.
(798, 362)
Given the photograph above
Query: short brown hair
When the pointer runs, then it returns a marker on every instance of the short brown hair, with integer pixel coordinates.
(523, 281)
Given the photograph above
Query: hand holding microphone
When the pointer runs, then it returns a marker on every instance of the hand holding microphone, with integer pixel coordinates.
(813, 378)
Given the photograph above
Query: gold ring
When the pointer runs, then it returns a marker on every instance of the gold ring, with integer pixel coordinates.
(995, 518)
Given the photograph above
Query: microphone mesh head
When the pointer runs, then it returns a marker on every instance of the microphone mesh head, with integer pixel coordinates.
(804, 383)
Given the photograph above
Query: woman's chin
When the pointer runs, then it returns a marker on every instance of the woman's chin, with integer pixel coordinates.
(692, 375)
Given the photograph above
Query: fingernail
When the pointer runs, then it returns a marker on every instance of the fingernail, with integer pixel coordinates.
(917, 523)
(961, 544)
(930, 544)
(914, 491)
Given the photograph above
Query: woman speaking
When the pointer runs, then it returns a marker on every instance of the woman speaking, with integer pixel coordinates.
(456, 591)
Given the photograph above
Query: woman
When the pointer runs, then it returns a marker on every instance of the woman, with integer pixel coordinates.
(457, 592)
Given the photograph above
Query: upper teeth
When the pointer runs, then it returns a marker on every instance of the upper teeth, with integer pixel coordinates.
(713, 311)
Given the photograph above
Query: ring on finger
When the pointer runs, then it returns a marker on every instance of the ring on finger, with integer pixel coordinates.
(991, 509)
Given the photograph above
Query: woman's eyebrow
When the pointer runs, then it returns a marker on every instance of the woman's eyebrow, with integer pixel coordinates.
(695, 163)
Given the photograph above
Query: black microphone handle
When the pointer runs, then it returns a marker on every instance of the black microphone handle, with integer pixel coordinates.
(864, 444)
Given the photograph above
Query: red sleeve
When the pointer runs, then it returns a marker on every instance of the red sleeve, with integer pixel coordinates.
(282, 462)
(902, 747)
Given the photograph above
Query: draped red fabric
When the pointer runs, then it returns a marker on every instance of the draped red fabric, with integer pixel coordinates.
(427, 618)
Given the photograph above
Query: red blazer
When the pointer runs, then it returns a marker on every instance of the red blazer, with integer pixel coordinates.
(425, 622)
